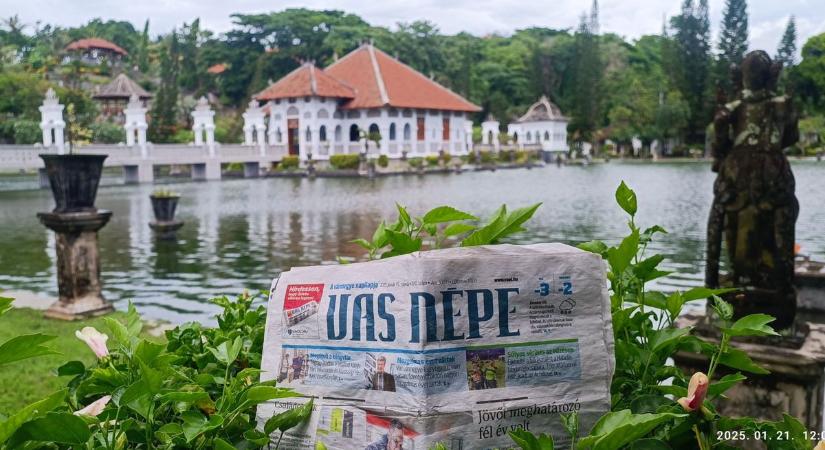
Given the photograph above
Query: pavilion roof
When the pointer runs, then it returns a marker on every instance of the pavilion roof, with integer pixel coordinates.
(542, 110)
(381, 80)
(217, 69)
(95, 43)
(122, 87)
(306, 81)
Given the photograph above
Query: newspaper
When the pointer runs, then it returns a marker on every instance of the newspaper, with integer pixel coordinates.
(455, 346)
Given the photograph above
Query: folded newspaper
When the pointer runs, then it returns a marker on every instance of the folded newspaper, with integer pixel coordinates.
(455, 346)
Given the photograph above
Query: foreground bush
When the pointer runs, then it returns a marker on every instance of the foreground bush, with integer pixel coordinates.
(200, 390)
(345, 162)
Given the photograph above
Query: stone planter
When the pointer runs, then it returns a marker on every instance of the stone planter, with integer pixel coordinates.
(164, 207)
(74, 180)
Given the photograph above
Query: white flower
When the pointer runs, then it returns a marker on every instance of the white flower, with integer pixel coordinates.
(95, 340)
(94, 408)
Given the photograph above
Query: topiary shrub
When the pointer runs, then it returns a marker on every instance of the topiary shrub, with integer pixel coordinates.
(416, 162)
(383, 161)
(344, 162)
(289, 162)
(432, 160)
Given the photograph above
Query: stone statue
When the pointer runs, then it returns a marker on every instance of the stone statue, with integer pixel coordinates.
(754, 206)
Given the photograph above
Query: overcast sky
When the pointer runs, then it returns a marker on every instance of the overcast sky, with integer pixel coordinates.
(629, 18)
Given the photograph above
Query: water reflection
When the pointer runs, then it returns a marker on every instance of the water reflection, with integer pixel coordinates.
(241, 233)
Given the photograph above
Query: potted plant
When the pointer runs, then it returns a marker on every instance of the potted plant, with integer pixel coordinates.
(74, 178)
(164, 203)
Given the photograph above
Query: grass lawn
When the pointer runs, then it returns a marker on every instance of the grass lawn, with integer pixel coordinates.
(30, 380)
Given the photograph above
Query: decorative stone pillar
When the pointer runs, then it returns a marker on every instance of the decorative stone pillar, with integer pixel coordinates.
(384, 131)
(51, 122)
(203, 125)
(254, 127)
(468, 136)
(136, 125)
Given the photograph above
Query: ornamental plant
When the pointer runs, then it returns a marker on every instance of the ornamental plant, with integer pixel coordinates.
(198, 391)
(656, 405)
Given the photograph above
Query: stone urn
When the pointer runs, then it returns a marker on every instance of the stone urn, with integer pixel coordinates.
(74, 180)
(164, 204)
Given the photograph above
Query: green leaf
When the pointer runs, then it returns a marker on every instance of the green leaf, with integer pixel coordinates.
(649, 403)
(227, 351)
(597, 247)
(752, 325)
(737, 359)
(57, 427)
(655, 299)
(699, 293)
(5, 304)
(402, 243)
(256, 437)
(458, 228)
(626, 199)
(674, 303)
(646, 270)
(617, 429)
(379, 237)
(571, 424)
(34, 410)
(195, 424)
(728, 381)
(220, 444)
(367, 245)
(647, 235)
(620, 257)
(184, 397)
(528, 441)
(288, 419)
(666, 337)
(403, 215)
(723, 309)
(443, 214)
(501, 225)
(71, 368)
(25, 347)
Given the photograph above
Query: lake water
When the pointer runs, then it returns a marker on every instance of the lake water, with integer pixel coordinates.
(242, 233)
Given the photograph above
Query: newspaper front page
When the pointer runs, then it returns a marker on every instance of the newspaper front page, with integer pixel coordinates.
(454, 346)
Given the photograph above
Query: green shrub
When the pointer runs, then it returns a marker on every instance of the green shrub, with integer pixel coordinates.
(487, 157)
(446, 157)
(229, 129)
(506, 156)
(289, 162)
(383, 161)
(27, 132)
(432, 160)
(416, 162)
(107, 133)
(345, 162)
(181, 136)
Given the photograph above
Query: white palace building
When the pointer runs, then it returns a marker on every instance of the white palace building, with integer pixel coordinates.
(321, 112)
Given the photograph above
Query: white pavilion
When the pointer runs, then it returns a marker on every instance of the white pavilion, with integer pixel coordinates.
(543, 125)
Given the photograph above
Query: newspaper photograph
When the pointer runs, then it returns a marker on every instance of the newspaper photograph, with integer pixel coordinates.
(455, 346)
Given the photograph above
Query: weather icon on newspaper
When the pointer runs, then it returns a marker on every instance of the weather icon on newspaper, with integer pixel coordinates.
(566, 306)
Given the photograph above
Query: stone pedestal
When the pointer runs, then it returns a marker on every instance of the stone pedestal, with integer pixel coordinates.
(166, 230)
(78, 263)
(795, 385)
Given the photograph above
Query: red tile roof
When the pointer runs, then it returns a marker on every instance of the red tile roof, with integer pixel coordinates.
(217, 69)
(381, 80)
(89, 43)
(305, 81)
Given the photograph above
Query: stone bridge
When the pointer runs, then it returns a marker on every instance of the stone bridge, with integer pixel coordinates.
(138, 163)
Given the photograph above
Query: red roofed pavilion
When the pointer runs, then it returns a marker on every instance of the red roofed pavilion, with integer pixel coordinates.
(95, 50)
(321, 112)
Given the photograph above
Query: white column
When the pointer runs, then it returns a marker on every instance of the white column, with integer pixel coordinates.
(204, 122)
(51, 122)
(135, 124)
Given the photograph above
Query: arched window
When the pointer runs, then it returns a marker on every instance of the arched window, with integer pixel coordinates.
(322, 133)
(338, 133)
(515, 137)
(392, 131)
(353, 133)
(407, 133)
(373, 130)
(490, 137)
(292, 111)
(309, 135)
(529, 137)
(546, 135)
(323, 114)
(278, 135)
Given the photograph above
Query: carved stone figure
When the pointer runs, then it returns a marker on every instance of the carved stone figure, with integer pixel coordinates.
(754, 207)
